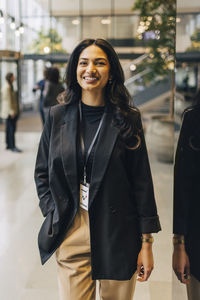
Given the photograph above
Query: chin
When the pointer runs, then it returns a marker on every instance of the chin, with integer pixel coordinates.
(90, 88)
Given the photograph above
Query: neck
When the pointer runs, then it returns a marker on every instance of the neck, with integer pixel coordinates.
(93, 99)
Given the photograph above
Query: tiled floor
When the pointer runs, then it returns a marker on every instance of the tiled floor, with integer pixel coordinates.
(21, 275)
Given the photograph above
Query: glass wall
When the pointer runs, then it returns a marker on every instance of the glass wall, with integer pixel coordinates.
(188, 32)
(9, 25)
(82, 19)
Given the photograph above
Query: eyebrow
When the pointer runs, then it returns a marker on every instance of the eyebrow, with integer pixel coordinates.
(99, 58)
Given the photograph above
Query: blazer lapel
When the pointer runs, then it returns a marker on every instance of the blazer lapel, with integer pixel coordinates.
(68, 149)
(105, 144)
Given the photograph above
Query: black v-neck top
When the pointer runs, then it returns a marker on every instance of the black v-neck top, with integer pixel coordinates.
(91, 116)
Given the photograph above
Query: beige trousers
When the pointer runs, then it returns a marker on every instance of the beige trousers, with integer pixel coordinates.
(74, 268)
(193, 289)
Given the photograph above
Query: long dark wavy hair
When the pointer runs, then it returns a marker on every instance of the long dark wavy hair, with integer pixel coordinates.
(117, 96)
(9, 76)
(53, 75)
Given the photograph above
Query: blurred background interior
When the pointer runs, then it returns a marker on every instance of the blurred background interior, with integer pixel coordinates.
(160, 56)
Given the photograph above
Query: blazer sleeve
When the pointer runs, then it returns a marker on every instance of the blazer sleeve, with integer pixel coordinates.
(42, 170)
(184, 176)
(143, 187)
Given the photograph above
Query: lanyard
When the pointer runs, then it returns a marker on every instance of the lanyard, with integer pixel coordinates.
(86, 155)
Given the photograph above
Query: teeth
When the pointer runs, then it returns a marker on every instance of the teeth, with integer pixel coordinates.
(90, 78)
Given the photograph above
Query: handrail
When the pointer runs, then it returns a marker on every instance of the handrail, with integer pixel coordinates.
(135, 77)
(135, 61)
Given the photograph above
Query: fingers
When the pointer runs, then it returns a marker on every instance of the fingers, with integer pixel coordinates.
(187, 274)
(139, 268)
(183, 280)
(183, 276)
(143, 274)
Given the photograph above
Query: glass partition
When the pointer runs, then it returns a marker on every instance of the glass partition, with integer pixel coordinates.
(188, 32)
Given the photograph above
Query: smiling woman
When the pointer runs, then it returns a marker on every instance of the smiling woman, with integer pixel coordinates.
(93, 73)
(94, 182)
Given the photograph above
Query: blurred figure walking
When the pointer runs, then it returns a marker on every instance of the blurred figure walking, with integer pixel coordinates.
(53, 87)
(40, 85)
(10, 111)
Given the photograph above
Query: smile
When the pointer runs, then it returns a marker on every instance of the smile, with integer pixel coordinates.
(90, 79)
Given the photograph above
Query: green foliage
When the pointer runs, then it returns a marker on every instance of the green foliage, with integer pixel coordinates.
(159, 18)
(50, 39)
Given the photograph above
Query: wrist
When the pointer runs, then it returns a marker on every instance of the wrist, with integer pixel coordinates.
(147, 238)
(178, 239)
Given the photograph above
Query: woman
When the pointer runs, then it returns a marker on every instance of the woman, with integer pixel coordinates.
(9, 111)
(52, 89)
(94, 182)
(40, 86)
(186, 260)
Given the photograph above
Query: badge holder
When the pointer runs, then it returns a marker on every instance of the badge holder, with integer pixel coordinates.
(84, 193)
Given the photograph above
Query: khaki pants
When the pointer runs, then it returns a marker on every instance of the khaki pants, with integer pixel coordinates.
(193, 289)
(74, 268)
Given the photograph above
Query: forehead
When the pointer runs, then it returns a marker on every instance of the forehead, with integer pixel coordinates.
(93, 52)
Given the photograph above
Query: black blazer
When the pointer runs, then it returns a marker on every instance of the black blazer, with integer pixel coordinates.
(187, 187)
(121, 204)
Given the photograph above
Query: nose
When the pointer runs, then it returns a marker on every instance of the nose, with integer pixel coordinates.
(91, 68)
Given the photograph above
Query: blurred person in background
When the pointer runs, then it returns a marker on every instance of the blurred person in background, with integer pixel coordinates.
(186, 255)
(53, 87)
(10, 112)
(40, 86)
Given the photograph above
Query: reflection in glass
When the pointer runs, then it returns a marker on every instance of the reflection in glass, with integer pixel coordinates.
(186, 258)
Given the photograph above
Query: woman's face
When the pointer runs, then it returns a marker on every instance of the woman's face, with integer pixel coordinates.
(93, 69)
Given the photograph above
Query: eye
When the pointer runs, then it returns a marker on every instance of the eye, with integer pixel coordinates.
(82, 63)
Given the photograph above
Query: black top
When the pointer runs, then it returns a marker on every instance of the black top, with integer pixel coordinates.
(91, 117)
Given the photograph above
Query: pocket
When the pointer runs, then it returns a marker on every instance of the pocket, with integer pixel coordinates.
(46, 237)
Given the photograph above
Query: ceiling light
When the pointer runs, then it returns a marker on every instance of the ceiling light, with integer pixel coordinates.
(178, 20)
(105, 21)
(46, 50)
(132, 67)
(12, 24)
(17, 32)
(21, 28)
(75, 22)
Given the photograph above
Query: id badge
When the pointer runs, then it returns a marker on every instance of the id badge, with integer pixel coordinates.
(84, 195)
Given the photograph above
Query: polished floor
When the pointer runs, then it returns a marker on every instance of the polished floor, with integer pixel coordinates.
(21, 275)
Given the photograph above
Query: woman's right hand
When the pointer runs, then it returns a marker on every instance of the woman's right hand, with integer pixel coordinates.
(181, 264)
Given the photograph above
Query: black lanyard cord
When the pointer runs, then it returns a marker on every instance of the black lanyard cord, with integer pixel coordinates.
(86, 155)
